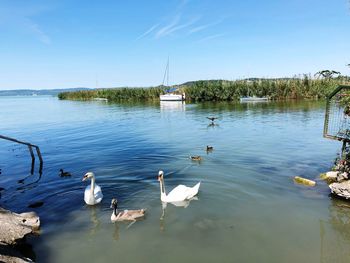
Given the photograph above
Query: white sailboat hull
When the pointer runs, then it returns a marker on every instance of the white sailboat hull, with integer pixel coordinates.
(172, 97)
(253, 99)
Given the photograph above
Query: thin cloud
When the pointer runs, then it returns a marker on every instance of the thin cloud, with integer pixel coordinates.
(174, 26)
(20, 21)
(35, 30)
(163, 31)
(149, 31)
(203, 27)
(210, 37)
(182, 4)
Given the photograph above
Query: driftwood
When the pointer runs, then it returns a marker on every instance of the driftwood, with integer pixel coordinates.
(341, 189)
(13, 228)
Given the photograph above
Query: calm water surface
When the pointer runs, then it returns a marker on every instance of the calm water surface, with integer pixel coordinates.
(248, 208)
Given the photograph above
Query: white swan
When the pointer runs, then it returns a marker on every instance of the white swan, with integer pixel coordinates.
(179, 193)
(93, 193)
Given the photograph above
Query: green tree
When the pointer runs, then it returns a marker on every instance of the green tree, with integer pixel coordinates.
(327, 74)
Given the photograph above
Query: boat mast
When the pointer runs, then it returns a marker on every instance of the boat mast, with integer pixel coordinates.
(166, 73)
(167, 82)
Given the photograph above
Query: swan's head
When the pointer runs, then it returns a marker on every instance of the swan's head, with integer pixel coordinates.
(114, 203)
(160, 175)
(88, 176)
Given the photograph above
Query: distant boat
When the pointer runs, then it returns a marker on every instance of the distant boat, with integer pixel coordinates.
(101, 99)
(171, 94)
(253, 99)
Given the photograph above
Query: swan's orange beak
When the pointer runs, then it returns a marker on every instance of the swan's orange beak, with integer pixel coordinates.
(158, 178)
(84, 178)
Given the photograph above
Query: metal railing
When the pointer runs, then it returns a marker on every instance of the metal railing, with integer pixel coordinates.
(30, 147)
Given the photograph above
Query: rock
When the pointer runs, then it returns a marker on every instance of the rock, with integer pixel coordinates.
(10, 255)
(14, 227)
(342, 177)
(341, 189)
(304, 181)
(330, 177)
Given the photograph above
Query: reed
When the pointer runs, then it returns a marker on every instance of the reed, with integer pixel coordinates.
(304, 87)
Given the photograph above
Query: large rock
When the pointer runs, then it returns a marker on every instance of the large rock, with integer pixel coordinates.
(9, 254)
(341, 189)
(14, 227)
(330, 177)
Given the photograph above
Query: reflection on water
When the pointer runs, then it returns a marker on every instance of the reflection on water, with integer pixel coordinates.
(169, 106)
(116, 235)
(335, 233)
(184, 204)
(249, 210)
(213, 125)
(95, 222)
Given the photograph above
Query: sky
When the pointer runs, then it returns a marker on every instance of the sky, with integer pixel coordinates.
(113, 43)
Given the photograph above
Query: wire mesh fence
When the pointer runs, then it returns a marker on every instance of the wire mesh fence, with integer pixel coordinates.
(337, 119)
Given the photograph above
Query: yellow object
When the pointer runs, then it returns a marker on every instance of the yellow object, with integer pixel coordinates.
(304, 181)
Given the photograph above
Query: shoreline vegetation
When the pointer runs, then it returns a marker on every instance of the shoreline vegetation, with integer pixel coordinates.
(304, 87)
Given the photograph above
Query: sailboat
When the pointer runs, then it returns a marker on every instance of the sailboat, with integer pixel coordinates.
(170, 93)
(253, 98)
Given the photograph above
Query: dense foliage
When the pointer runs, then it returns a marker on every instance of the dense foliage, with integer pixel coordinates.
(222, 90)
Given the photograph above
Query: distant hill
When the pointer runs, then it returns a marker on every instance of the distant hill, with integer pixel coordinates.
(31, 92)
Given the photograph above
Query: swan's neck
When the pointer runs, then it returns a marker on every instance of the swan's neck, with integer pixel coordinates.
(92, 189)
(162, 188)
(115, 211)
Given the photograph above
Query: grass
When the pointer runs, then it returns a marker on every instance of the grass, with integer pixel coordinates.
(221, 90)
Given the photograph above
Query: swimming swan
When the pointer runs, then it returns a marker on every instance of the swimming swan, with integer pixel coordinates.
(126, 215)
(93, 193)
(179, 193)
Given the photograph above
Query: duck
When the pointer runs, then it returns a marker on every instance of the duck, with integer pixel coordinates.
(64, 174)
(212, 118)
(196, 158)
(179, 193)
(209, 148)
(93, 193)
(126, 215)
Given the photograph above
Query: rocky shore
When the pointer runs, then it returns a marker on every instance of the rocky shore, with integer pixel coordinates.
(13, 230)
(338, 179)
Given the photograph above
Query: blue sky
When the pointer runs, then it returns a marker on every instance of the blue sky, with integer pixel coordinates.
(67, 43)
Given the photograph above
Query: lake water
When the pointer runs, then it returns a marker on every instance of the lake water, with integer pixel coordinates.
(248, 208)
